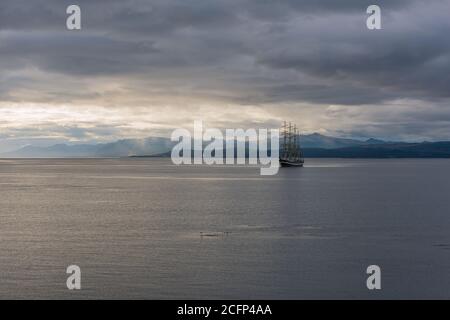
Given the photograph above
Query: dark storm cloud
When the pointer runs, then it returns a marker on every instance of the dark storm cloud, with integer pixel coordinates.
(413, 64)
(256, 51)
(170, 14)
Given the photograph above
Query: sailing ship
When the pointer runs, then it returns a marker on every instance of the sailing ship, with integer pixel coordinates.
(291, 154)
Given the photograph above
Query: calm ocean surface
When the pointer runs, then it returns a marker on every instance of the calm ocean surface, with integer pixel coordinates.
(134, 227)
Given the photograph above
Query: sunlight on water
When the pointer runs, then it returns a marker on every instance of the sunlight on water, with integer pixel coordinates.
(144, 228)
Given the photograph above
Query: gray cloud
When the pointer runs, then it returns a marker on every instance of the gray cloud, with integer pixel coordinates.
(241, 52)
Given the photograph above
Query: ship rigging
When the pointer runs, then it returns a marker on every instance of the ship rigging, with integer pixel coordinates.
(291, 154)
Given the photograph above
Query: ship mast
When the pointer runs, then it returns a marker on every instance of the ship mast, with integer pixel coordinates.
(285, 140)
(295, 143)
(290, 141)
(291, 151)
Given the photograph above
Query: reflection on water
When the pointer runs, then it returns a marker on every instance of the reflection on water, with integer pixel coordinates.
(143, 228)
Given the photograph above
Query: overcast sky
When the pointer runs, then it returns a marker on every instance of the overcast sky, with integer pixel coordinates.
(139, 68)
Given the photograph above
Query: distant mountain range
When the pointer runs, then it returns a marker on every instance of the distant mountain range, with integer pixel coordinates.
(386, 150)
(317, 140)
(314, 145)
(120, 148)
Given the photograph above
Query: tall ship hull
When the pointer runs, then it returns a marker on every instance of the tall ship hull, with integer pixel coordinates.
(291, 154)
(288, 163)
